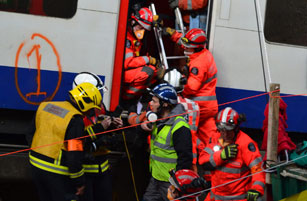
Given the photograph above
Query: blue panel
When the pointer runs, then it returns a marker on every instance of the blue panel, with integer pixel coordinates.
(27, 84)
(254, 107)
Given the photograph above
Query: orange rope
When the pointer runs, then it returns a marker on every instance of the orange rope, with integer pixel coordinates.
(130, 126)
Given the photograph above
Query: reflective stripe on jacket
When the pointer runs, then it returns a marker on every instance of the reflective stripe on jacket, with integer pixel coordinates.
(163, 156)
(98, 162)
(202, 78)
(96, 168)
(54, 167)
(192, 110)
(247, 162)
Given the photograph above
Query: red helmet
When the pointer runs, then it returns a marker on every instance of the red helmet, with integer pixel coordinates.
(143, 17)
(227, 119)
(194, 38)
(184, 177)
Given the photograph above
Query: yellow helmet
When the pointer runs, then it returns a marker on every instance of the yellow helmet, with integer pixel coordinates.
(87, 96)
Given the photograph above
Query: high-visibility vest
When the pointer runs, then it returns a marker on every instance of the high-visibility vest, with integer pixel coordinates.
(55, 117)
(163, 156)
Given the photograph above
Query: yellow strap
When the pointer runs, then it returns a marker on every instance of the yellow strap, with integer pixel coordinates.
(91, 133)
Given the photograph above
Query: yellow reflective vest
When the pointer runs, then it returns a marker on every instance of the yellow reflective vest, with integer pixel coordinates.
(52, 119)
(163, 156)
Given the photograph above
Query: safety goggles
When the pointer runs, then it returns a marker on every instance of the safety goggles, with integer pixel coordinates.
(188, 43)
(225, 126)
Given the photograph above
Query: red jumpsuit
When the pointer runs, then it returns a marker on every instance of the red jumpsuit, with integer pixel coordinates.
(188, 6)
(139, 75)
(247, 162)
(200, 88)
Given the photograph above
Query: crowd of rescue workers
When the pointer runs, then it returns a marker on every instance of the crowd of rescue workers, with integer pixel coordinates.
(69, 161)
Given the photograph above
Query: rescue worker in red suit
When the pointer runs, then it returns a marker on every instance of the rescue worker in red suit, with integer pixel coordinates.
(140, 71)
(234, 160)
(201, 80)
(192, 9)
(96, 165)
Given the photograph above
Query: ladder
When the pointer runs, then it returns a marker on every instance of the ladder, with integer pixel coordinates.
(158, 36)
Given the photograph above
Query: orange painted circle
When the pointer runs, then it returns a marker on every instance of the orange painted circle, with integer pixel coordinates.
(58, 64)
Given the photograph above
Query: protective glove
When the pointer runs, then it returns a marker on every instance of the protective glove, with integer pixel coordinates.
(229, 151)
(183, 81)
(167, 31)
(173, 4)
(157, 21)
(196, 183)
(199, 183)
(252, 195)
(152, 61)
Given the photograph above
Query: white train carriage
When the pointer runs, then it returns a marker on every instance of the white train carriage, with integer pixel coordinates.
(256, 43)
(42, 50)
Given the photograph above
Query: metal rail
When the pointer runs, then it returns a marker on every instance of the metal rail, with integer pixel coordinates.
(158, 36)
(179, 21)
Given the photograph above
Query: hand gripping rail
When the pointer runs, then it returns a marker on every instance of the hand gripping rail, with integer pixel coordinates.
(158, 36)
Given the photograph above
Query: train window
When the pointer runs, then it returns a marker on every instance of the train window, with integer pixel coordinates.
(52, 8)
(286, 22)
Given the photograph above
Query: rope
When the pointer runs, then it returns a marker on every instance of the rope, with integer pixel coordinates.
(130, 165)
(269, 169)
(135, 125)
(127, 151)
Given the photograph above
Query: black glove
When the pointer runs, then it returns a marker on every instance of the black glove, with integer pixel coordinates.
(183, 80)
(229, 151)
(196, 183)
(199, 183)
(252, 195)
(173, 4)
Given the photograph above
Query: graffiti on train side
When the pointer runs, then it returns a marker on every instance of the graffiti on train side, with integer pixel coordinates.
(34, 54)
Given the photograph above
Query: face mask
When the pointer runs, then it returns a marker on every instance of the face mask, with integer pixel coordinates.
(139, 34)
(188, 52)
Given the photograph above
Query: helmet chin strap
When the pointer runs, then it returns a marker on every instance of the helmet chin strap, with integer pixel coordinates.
(160, 109)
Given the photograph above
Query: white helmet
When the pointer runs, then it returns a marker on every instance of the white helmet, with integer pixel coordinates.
(90, 78)
(173, 78)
